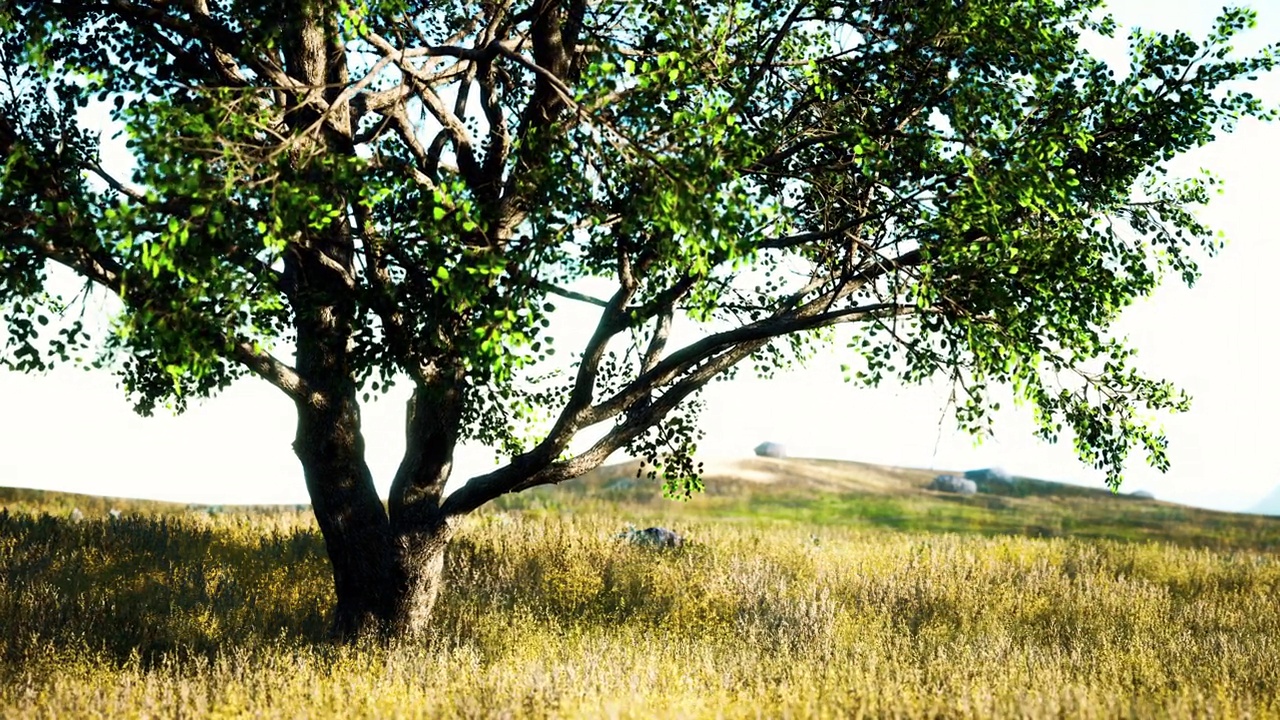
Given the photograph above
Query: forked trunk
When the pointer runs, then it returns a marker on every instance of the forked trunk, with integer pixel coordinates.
(386, 580)
(386, 576)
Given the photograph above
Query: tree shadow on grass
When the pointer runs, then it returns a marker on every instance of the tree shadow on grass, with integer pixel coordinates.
(154, 587)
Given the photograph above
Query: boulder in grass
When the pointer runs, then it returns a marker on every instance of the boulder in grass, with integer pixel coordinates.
(114, 513)
(76, 515)
(771, 449)
(954, 484)
(1142, 495)
(652, 537)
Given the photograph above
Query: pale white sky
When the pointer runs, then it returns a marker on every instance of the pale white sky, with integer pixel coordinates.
(72, 430)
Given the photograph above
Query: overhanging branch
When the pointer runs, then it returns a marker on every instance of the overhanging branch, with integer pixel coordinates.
(101, 268)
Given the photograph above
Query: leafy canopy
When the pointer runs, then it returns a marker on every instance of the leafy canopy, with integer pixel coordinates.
(957, 181)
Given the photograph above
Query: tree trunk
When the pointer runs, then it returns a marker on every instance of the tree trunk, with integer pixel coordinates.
(387, 579)
(419, 560)
(421, 530)
(387, 570)
(318, 266)
(357, 534)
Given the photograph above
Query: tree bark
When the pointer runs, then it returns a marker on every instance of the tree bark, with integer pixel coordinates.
(420, 528)
(419, 562)
(357, 534)
(387, 569)
(386, 578)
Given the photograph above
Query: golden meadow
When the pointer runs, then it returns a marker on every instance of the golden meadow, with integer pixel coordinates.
(786, 602)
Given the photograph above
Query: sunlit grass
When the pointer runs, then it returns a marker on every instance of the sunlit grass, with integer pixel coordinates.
(548, 614)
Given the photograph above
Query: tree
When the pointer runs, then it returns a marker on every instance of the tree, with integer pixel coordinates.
(401, 191)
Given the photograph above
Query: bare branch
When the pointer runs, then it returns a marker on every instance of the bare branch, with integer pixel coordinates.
(115, 184)
(422, 86)
(570, 294)
(658, 343)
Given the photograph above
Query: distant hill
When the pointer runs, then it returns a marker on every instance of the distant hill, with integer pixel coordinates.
(804, 474)
(54, 502)
(863, 495)
(834, 493)
(1270, 504)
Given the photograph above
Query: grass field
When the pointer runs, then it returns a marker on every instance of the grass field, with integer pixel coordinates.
(822, 591)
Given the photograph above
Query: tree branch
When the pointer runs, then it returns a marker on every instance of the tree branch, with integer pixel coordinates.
(393, 318)
(101, 268)
(810, 315)
(570, 294)
(272, 370)
(698, 363)
(215, 35)
(422, 86)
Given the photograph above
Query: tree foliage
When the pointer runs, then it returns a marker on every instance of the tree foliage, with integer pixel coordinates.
(408, 188)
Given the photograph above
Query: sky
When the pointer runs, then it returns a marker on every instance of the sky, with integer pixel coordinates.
(73, 430)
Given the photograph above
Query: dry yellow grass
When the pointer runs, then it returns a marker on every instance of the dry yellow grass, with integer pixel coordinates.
(548, 614)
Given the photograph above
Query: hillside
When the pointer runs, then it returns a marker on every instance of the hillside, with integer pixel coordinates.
(813, 491)
(854, 494)
(53, 502)
(806, 589)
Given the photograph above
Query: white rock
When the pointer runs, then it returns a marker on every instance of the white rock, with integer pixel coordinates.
(954, 484)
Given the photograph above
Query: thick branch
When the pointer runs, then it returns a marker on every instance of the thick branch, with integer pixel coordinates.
(516, 476)
(690, 369)
(812, 314)
(433, 418)
(658, 343)
(271, 369)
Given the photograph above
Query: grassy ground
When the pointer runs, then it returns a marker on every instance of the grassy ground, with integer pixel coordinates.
(787, 603)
